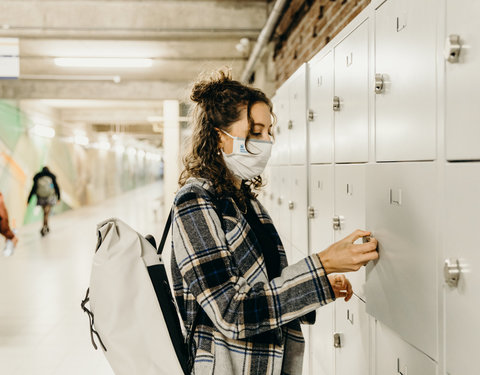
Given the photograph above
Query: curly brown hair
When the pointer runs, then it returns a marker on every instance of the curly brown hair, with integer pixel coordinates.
(219, 101)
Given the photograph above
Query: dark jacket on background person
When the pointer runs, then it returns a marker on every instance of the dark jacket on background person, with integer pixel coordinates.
(4, 226)
(44, 172)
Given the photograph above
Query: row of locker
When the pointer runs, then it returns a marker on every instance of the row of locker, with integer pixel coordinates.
(416, 211)
(349, 97)
(380, 131)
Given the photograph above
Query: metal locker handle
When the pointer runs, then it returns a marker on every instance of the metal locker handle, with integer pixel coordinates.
(452, 272)
(279, 200)
(290, 124)
(336, 103)
(337, 341)
(453, 48)
(379, 84)
(291, 205)
(337, 222)
(311, 115)
(311, 212)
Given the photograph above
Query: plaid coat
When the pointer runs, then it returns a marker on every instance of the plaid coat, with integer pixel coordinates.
(248, 325)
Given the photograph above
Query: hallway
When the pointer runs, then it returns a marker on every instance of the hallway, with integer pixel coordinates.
(42, 328)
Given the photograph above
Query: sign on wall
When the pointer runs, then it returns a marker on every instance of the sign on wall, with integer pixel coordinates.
(9, 58)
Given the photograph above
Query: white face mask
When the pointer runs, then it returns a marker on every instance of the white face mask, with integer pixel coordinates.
(244, 164)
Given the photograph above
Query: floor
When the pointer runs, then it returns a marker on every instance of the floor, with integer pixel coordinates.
(43, 331)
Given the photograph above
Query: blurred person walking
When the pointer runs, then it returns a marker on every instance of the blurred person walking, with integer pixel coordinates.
(5, 230)
(46, 189)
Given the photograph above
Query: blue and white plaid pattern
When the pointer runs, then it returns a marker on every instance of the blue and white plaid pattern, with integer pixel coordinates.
(250, 325)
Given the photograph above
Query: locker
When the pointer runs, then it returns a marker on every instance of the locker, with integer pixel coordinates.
(401, 287)
(394, 356)
(277, 111)
(320, 94)
(297, 203)
(321, 342)
(274, 194)
(405, 80)
(297, 94)
(320, 211)
(350, 209)
(352, 326)
(462, 302)
(351, 89)
(284, 221)
(463, 81)
(281, 148)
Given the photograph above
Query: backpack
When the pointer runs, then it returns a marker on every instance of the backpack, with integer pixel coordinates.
(45, 187)
(132, 312)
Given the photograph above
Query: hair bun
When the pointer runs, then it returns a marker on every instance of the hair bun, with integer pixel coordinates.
(209, 86)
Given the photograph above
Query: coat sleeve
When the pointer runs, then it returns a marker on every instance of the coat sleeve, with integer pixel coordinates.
(34, 188)
(237, 309)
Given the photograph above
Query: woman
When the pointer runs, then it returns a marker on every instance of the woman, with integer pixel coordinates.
(10, 239)
(229, 269)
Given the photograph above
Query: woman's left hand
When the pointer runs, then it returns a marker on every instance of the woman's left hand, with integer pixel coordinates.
(341, 286)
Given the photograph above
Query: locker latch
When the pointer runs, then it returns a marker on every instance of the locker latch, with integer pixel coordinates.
(379, 83)
(451, 272)
(453, 48)
(311, 115)
(336, 103)
(337, 222)
(291, 205)
(279, 200)
(337, 341)
(311, 212)
(290, 124)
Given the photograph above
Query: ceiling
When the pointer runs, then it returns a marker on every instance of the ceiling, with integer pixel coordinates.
(183, 38)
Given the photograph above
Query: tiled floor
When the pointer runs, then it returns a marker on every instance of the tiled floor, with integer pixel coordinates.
(42, 328)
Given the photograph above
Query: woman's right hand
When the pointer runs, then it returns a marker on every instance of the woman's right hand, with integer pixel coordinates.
(345, 256)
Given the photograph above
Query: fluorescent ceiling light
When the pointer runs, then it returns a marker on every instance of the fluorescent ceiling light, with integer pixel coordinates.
(103, 62)
(43, 131)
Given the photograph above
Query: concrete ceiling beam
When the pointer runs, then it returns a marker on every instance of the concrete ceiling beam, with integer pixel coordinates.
(135, 19)
(129, 90)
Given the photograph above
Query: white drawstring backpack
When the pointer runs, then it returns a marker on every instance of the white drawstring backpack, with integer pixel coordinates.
(132, 311)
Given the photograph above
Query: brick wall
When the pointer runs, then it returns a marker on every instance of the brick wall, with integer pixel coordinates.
(305, 28)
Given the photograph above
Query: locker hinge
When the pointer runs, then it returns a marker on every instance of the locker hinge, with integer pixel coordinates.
(336, 103)
(379, 83)
(311, 212)
(337, 341)
(453, 48)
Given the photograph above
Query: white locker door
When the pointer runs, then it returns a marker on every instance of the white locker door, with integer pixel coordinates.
(284, 221)
(351, 88)
(462, 302)
(463, 82)
(321, 342)
(394, 356)
(298, 116)
(298, 207)
(273, 193)
(352, 325)
(321, 195)
(320, 94)
(405, 46)
(401, 287)
(350, 209)
(277, 110)
(281, 148)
